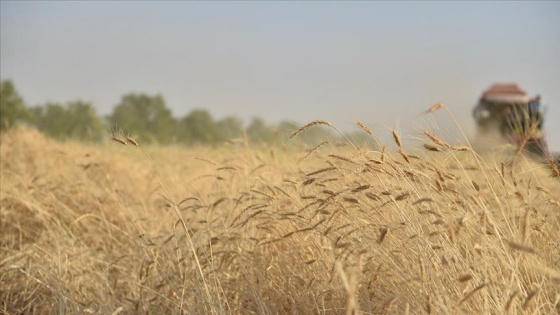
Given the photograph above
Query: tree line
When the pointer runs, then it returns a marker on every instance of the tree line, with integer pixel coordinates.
(149, 120)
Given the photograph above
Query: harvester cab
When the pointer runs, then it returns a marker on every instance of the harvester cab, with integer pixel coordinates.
(507, 111)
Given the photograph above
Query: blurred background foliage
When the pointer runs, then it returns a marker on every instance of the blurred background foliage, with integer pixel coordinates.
(149, 120)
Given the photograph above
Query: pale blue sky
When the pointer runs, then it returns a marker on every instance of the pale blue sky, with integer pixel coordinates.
(379, 62)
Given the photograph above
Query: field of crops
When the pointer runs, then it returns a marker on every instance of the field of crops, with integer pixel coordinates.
(240, 229)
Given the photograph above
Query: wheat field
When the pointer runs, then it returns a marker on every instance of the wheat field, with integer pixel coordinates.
(118, 228)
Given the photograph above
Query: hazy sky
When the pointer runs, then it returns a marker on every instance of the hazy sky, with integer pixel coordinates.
(379, 62)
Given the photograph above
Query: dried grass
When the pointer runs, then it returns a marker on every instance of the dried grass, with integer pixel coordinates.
(352, 232)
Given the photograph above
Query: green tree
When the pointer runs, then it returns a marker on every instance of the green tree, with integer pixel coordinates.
(36, 116)
(84, 123)
(285, 130)
(229, 128)
(197, 127)
(144, 116)
(259, 131)
(12, 107)
(51, 119)
(76, 120)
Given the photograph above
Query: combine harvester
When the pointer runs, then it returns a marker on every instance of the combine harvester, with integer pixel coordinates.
(507, 112)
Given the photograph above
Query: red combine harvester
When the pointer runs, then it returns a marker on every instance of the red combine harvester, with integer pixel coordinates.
(507, 111)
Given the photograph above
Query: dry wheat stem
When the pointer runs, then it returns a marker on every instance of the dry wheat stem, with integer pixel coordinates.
(309, 125)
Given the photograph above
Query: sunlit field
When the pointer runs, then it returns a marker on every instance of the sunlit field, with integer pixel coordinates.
(117, 228)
